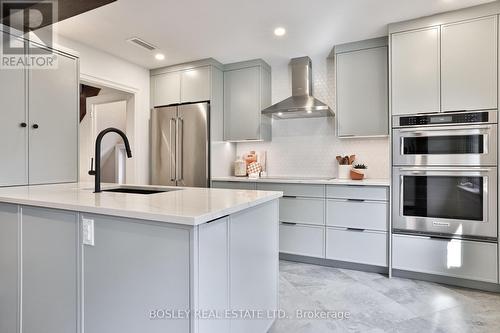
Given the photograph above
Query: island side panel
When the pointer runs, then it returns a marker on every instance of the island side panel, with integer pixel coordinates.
(136, 267)
(9, 268)
(254, 260)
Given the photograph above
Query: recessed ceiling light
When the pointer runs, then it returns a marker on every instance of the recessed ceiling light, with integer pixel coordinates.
(159, 56)
(280, 113)
(280, 31)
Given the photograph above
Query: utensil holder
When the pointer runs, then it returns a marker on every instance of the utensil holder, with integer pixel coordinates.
(344, 172)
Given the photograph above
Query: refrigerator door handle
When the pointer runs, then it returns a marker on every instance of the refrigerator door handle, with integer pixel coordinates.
(173, 150)
(180, 148)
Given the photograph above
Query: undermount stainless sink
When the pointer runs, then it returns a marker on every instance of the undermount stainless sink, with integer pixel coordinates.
(139, 190)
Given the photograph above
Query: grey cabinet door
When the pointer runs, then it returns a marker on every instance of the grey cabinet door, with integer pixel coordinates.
(53, 107)
(195, 85)
(242, 105)
(166, 89)
(469, 65)
(415, 62)
(362, 93)
(14, 138)
(9, 269)
(134, 268)
(50, 270)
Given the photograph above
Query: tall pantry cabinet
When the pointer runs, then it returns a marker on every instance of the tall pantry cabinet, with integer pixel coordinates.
(39, 122)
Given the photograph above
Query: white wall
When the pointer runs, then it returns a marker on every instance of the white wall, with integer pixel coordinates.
(100, 67)
(307, 147)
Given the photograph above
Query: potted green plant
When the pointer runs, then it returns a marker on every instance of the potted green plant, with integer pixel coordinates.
(358, 171)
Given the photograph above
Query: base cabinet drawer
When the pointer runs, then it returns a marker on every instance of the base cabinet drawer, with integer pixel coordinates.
(362, 247)
(234, 185)
(302, 210)
(358, 192)
(455, 258)
(299, 190)
(371, 215)
(302, 240)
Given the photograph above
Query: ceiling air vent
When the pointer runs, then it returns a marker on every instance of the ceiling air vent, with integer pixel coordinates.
(141, 43)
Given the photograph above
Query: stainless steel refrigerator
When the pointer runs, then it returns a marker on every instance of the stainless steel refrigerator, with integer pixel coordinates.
(180, 145)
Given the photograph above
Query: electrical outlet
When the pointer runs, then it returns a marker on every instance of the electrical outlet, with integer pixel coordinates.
(88, 232)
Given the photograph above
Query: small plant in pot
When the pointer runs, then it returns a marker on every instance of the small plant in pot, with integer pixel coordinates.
(358, 171)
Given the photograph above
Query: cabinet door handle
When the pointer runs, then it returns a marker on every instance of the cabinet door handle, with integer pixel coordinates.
(35, 126)
(288, 223)
(290, 196)
(356, 200)
(355, 229)
(23, 124)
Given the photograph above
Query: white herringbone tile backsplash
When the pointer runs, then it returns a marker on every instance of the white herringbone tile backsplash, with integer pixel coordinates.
(307, 147)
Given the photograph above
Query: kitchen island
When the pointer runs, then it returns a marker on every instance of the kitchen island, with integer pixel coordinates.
(185, 260)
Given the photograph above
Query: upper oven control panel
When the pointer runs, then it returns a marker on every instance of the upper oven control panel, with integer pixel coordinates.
(445, 119)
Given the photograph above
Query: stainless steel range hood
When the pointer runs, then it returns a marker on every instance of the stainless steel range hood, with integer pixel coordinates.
(301, 104)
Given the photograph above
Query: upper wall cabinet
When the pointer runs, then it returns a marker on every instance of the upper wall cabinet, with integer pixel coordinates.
(448, 67)
(182, 86)
(415, 77)
(247, 91)
(469, 65)
(39, 126)
(198, 81)
(195, 85)
(166, 88)
(362, 88)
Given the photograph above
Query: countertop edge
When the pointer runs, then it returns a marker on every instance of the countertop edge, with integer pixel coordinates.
(141, 215)
(366, 182)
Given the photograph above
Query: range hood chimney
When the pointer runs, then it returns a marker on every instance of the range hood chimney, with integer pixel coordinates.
(301, 104)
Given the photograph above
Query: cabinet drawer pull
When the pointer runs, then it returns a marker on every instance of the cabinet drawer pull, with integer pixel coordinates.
(288, 223)
(35, 126)
(290, 196)
(356, 200)
(355, 229)
(23, 124)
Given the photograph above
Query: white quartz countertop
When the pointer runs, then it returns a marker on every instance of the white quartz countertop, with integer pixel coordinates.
(308, 180)
(188, 206)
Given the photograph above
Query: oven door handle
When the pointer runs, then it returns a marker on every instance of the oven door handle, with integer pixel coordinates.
(421, 130)
(420, 170)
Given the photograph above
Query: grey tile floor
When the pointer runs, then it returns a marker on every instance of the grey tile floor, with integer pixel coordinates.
(378, 304)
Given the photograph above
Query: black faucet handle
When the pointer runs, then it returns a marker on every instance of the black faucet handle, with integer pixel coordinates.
(92, 171)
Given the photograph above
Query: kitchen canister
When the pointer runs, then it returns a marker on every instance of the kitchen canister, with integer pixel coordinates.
(344, 172)
(240, 168)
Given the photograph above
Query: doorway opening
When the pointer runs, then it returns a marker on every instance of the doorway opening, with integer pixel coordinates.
(102, 107)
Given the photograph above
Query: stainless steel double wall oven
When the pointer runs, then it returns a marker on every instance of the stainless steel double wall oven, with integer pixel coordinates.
(445, 174)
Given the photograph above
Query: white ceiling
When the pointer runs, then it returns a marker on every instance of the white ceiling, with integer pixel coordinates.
(235, 30)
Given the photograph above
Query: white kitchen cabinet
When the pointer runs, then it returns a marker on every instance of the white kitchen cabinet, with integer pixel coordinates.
(302, 210)
(53, 126)
(355, 213)
(234, 185)
(294, 190)
(358, 246)
(50, 271)
(9, 272)
(14, 137)
(166, 88)
(379, 193)
(447, 257)
(302, 240)
(362, 88)
(247, 91)
(124, 270)
(195, 85)
(469, 64)
(415, 71)
(213, 271)
(39, 127)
